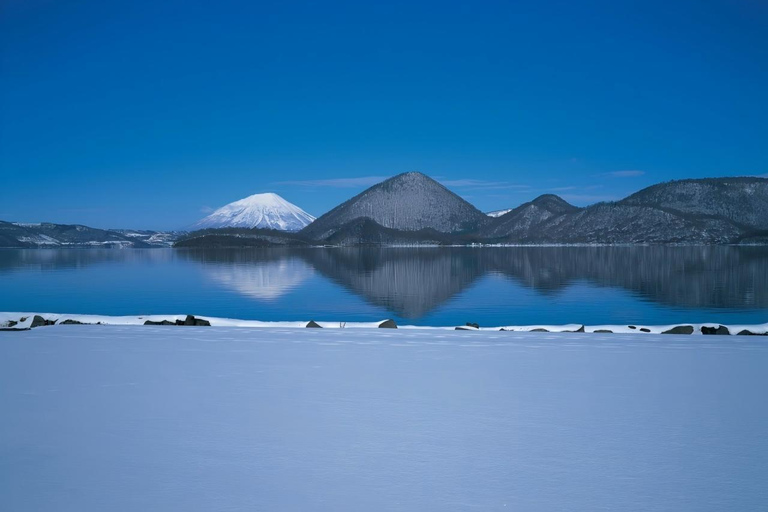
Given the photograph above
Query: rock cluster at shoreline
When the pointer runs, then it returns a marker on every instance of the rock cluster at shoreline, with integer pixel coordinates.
(189, 320)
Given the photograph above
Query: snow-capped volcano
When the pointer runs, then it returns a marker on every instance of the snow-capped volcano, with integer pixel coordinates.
(258, 211)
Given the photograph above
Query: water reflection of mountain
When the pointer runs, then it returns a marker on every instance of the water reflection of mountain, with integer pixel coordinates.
(410, 282)
(75, 258)
(691, 277)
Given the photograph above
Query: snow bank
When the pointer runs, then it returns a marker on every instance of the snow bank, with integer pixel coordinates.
(20, 321)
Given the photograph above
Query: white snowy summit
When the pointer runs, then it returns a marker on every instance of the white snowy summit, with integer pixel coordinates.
(258, 211)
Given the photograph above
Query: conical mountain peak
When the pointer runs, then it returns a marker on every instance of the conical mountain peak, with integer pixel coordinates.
(408, 202)
(266, 210)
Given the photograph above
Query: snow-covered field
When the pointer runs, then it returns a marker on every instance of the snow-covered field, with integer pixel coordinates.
(127, 418)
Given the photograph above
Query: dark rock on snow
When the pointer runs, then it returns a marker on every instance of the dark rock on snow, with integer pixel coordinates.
(38, 321)
(680, 329)
(715, 330)
(313, 324)
(189, 320)
(388, 324)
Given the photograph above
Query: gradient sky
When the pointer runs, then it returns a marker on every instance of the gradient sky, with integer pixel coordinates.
(146, 114)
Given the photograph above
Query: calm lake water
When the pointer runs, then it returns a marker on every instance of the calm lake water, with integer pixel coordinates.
(423, 286)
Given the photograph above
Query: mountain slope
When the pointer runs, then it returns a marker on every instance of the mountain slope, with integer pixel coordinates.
(703, 211)
(46, 234)
(740, 200)
(612, 223)
(239, 237)
(519, 221)
(268, 211)
(406, 202)
(364, 231)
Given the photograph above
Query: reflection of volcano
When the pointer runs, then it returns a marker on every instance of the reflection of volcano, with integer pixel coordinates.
(264, 274)
(265, 281)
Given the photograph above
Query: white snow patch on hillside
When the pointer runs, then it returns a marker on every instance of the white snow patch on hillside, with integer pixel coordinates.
(499, 213)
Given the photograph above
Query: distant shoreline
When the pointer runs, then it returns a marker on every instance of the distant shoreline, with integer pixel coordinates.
(376, 246)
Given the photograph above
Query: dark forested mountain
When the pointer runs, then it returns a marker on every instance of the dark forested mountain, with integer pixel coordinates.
(46, 234)
(743, 201)
(151, 238)
(364, 231)
(614, 223)
(361, 231)
(406, 202)
(240, 237)
(521, 221)
(704, 211)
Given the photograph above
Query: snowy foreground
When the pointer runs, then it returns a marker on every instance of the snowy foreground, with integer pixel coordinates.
(127, 418)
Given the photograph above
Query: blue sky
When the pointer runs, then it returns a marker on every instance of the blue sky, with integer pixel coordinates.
(146, 114)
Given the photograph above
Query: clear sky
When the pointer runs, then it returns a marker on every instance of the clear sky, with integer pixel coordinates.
(146, 114)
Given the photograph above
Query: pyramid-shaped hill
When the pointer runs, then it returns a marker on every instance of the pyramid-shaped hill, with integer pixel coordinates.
(408, 202)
